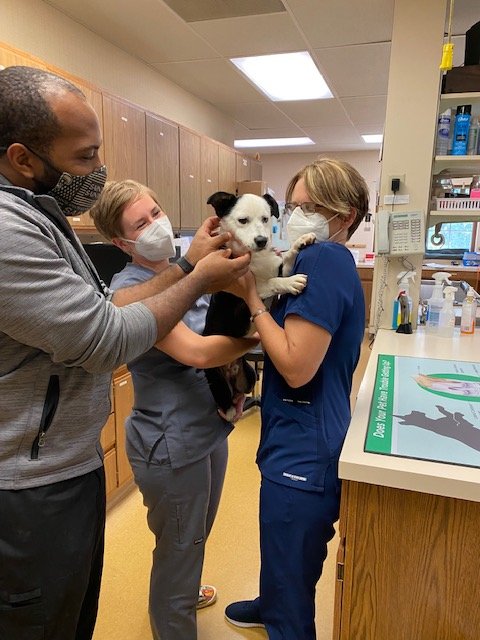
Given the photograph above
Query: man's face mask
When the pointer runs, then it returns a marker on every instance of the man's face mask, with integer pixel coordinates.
(156, 241)
(74, 194)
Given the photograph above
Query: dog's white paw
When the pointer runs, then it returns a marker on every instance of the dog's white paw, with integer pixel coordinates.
(297, 283)
(304, 240)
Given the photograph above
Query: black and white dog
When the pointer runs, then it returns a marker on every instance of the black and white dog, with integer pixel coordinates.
(248, 219)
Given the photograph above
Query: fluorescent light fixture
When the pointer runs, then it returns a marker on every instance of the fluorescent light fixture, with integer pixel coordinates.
(285, 76)
(373, 138)
(271, 142)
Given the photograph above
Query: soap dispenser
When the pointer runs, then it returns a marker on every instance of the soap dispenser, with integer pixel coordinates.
(447, 314)
(435, 303)
(402, 305)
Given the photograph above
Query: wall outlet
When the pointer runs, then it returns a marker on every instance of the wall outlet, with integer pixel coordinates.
(400, 176)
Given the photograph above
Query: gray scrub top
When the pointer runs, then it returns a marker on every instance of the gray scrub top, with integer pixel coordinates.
(172, 402)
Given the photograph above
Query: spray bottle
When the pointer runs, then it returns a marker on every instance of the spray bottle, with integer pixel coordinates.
(402, 305)
(435, 303)
(447, 314)
(469, 313)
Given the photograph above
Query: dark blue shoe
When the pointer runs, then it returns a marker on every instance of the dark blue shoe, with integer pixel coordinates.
(245, 613)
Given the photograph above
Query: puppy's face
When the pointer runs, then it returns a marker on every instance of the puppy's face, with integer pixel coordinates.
(247, 218)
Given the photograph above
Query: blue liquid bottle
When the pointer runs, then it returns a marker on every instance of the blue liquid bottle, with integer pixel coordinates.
(460, 132)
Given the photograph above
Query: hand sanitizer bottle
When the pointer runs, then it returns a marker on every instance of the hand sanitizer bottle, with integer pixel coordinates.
(435, 303)
(469, 313)
(447, 314)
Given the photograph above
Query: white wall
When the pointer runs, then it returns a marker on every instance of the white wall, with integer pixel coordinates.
(279, 168)
(37, 28)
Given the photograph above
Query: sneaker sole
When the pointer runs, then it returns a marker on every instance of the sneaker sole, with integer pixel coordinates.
(245, 625)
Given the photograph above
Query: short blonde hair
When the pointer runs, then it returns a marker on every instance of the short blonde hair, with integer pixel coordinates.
(115, 197)
(335, 185)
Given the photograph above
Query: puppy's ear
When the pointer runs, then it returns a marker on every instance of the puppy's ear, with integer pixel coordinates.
(222, 202)
(272, 204)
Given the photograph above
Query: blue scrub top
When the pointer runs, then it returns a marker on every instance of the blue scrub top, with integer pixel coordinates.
(303, 429)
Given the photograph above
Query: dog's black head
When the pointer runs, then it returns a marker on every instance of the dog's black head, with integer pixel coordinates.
(224, 202)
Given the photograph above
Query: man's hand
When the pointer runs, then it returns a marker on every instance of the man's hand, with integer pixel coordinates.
(204, 242)
(218, 271)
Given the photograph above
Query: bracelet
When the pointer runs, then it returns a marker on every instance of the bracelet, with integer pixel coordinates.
(185, 265)
(257, 313)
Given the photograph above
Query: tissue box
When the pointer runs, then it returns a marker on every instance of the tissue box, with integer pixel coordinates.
(471, 259)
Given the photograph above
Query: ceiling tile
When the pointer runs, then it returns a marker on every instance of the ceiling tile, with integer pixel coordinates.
(315, 113)
(260, 35)
(360, 70)
(257, 115)
(328, 135)
(145, 28)
(344, 21)
(369, 110)
(273, 132)
(214, 9)
(213, 80)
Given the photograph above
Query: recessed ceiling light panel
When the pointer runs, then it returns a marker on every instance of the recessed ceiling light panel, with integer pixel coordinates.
(285, 76)
(373, 138)
(272, 142)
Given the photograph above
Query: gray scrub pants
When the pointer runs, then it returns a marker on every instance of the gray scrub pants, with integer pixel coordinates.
(182, 504)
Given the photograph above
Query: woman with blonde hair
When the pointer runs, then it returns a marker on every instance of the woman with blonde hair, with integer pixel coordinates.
(312, 345)
(176, 439)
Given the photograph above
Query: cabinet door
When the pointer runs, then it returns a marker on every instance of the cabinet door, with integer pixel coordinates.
(256, 170)
(10, 57)
(209, 173)
(243, 168)
(163, 165)
(190, 182)
(124, 140)
(366, 276)
(110, 465)
(107, 437)
(123, 402)
(227, 159)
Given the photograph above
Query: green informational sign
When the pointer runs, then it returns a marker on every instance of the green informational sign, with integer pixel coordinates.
(426, 409)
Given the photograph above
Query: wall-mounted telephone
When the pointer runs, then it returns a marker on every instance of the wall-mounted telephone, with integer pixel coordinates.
(399, 233)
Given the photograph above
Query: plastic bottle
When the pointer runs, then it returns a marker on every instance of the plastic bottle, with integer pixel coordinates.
(469, 313)
(475, 187)
(435, 303)
(443, 132)
(403, 279)
(446, 324)
(473, 135)
(461, 129)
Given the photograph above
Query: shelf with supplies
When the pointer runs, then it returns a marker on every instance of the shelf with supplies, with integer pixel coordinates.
(450, 99)
(454, 215)
(465, 163)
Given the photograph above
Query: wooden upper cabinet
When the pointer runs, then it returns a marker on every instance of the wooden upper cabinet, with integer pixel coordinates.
(243, 168)
(163, 165)
(209, 174)
(11, 57)
(256, 170)
(124, 144)
(190, 180)
(227, 159)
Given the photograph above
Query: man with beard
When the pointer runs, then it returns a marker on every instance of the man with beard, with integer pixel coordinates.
(62, 333)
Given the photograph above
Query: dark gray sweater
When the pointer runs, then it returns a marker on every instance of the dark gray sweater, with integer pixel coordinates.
(60, 339)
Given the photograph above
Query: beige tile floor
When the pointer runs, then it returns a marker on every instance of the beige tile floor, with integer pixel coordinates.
(231, 561)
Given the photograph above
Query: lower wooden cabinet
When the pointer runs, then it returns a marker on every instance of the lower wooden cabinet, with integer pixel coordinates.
(366, 278)
(118, 473)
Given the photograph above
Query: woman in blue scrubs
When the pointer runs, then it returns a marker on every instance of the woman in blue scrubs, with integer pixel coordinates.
(312, 345)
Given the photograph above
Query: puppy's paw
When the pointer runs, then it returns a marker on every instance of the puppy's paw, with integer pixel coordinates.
(303, 241)
(297, 283)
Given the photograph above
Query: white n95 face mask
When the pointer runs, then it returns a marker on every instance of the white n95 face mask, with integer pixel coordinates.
(156, 241)
(316, 223)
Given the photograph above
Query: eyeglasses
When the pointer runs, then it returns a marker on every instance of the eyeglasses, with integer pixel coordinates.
(308, 208)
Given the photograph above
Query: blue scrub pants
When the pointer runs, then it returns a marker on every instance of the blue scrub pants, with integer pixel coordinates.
(295, 527)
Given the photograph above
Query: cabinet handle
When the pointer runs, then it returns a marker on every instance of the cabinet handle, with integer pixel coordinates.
(208, 180)
(124, 119)
(340, 571)
(122, 384)
(190, 175)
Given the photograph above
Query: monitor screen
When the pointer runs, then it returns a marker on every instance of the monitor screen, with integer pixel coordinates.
(107, 258)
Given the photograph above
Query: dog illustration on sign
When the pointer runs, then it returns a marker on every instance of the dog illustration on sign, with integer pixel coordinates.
(248, 219)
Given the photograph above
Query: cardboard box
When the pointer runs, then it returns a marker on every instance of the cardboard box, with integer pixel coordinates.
(258, 187)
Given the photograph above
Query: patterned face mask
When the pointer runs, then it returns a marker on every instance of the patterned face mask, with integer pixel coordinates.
(76, 194)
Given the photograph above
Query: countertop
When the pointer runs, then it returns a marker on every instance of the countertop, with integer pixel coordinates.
(429, 266)
(437, 478)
